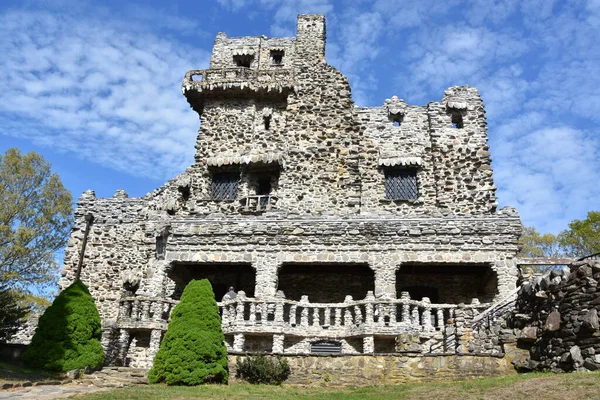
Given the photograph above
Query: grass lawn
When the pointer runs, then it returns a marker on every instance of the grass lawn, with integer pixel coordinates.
(515, 387)
(10, 373)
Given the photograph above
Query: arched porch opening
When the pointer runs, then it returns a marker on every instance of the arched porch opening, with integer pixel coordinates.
(221, 276)
(325, 282)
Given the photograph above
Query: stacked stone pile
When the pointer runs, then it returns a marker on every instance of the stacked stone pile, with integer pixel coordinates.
(557, 315)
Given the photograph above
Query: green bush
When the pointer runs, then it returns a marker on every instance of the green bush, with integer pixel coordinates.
(68, 334)
(263, 369)
(192, 351)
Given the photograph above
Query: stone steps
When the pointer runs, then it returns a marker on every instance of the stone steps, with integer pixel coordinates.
(115, 377)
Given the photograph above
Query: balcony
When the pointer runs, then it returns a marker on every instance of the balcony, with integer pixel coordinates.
(244, 79)
(257, 204)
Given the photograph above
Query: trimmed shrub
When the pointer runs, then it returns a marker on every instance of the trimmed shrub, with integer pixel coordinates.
(68, 334)
(262, 369)
(192, 351)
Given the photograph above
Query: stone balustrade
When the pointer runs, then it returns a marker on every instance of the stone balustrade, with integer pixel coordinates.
(258, 203)
(370, 316)
(220, 78)
(145, 312)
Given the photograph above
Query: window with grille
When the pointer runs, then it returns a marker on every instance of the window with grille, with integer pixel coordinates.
(224, 186)
(401, 184)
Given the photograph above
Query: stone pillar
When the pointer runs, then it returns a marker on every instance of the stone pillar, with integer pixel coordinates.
(123, 345)
(266, 276)
(238, 342)
(155, 337)
(278, 343)
(385, 280)
(368, 345)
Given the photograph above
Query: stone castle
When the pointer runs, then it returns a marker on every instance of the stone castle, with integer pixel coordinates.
(345, 230)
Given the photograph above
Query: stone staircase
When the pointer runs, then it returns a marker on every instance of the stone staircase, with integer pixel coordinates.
(110, 377)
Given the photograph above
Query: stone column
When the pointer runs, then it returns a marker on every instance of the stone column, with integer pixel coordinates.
(123, 345)
(368, 345)
(266, 276)
(155, 337)
(278, 343)
(385, 279)
(238, 342)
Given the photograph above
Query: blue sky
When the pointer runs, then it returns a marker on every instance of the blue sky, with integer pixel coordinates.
(95, 86)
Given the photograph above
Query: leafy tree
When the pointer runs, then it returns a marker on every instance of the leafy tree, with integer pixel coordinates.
(192, 351)
(68, 334)
(12, 313)
(35, 218)
(535, 244)
(583, 236)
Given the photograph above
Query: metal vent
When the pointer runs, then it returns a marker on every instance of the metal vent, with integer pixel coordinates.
(326, 348)
(401, 184)
(224, 186)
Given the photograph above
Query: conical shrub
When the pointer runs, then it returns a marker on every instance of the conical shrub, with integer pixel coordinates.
(192, 351)
(68, 334)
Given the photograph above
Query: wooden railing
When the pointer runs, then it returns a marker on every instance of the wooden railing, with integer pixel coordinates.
(258, 203)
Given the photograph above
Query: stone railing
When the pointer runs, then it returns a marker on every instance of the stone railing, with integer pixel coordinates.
(301, 318)
(258, 203)
(253, 79)
(352, 318)
(145, 312)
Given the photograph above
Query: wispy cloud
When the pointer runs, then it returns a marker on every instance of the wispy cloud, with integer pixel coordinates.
(97, 89)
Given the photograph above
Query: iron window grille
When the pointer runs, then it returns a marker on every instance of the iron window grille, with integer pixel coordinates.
(401, 184)
(224, 186)
(326, 348)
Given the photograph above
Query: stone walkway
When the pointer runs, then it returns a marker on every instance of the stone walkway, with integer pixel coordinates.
(44, 392)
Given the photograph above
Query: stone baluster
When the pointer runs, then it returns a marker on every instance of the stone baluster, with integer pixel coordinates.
(253, 312)
(426, 316)
(124, 309)
(415, 315)
(326, 317)
(135, 310)
(440, 319)
(369, 314)
(278, 344)
(123, 345)
(279, 312)
(304, 316)
(348, 319)
(238, 342)
(304, 313)
(338, 317)
(156, 310)
(358, 315)
(316, 317)
(405, 307)
(145, 306)
(224, 314)
(239, 310)
(393, 313)
(293, 315)
(380, 314)
(368, 345)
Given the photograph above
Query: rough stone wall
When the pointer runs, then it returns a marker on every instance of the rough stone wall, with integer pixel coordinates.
(557, 318)
(386, 369)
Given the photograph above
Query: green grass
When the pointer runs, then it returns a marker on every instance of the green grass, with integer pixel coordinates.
(514, 387)
(10, 373)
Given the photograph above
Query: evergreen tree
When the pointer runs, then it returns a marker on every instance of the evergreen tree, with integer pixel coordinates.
(192, 351)
(11, 313)
(68, 334)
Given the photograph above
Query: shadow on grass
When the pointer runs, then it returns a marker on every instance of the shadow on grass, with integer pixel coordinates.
(10, 373)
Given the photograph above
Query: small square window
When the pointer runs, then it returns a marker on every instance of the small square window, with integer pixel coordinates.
(457, 120)
(243, 60)
(397, 119)
(277, 57)
(401, 184)
(224, 185)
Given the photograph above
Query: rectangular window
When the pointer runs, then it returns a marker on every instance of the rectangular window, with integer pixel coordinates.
(401, 184)
(224, 185)
(277, 57)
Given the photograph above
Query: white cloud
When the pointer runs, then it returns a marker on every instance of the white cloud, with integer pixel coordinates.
(99, 90)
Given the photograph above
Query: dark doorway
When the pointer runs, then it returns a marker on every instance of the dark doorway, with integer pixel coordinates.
(326, 283)
(221, 275)
(451, 283)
